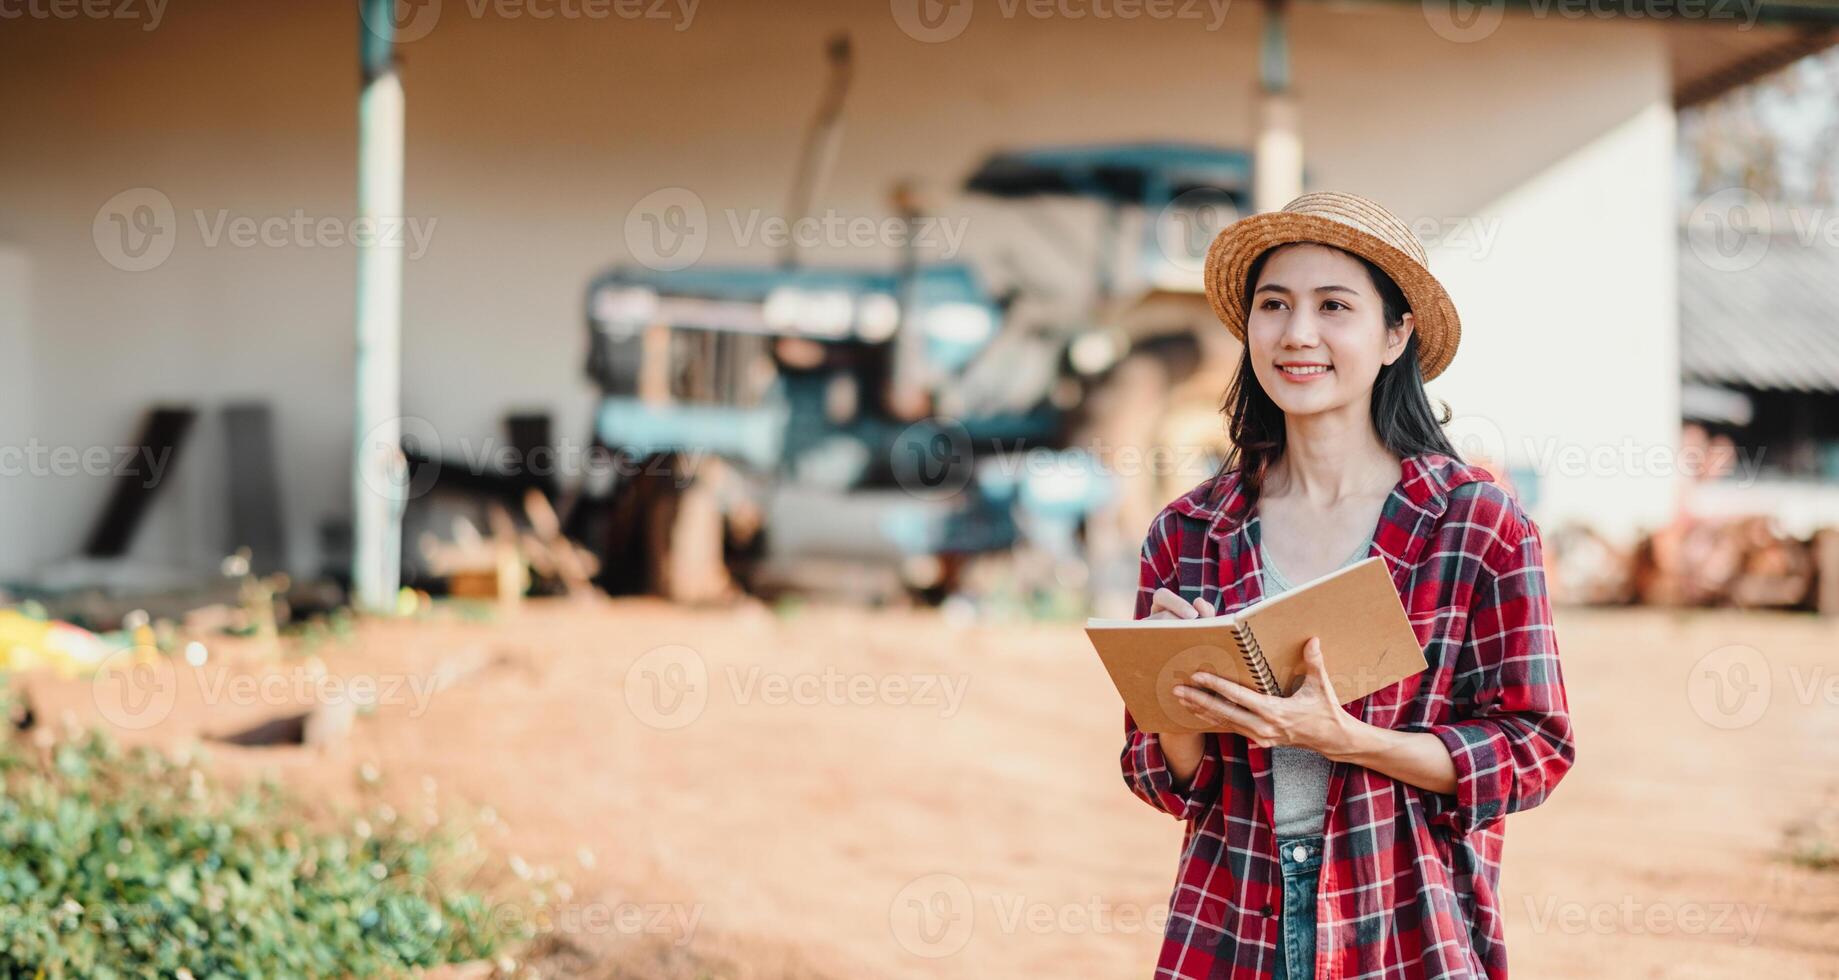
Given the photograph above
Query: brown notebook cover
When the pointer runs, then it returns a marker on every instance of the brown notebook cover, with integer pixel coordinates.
(1366, 639)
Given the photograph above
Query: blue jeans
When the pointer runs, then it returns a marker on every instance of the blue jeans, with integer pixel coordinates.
(1301, 858)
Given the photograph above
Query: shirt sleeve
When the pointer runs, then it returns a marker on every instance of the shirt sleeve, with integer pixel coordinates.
(1145, 768)
(1511, 739)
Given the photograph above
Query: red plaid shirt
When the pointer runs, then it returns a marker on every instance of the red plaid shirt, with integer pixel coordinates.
(1409, 878)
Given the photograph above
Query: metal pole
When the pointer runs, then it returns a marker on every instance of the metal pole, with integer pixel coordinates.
(822, 141)
(907, 389)
(1277, 170)
(380, 475)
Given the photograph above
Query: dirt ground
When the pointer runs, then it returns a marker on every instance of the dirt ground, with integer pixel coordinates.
(834, 792)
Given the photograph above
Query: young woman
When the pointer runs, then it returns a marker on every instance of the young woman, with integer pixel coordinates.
(1358, 840)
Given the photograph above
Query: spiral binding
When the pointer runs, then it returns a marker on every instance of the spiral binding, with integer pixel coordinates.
(1253, 655)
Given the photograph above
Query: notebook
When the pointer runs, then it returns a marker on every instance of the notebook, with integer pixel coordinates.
(1366, 640)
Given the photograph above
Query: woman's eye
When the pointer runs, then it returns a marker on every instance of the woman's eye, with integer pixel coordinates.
(1271, 304)
(1334, 304)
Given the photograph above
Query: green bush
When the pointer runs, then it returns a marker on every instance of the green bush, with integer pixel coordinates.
(119, 863)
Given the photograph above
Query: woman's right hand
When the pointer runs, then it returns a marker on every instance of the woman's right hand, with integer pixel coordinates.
(1166, 604)
(1182, 751)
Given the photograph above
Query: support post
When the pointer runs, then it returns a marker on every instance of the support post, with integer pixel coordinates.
(380, 472)
(1277, 169)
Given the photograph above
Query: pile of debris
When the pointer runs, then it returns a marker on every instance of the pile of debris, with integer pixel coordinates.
(503, 564)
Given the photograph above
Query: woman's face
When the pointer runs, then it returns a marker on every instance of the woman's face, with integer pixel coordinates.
(1317, 330)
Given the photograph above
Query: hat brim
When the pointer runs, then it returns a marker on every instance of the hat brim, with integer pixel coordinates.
(1239, 244)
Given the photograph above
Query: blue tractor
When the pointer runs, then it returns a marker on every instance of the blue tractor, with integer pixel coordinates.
(880, 430)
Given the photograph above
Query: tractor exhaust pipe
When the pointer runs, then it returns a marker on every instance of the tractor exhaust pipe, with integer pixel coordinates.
(822, 141)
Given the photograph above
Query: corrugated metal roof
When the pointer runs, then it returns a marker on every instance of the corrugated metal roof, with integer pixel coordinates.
(1773, 324)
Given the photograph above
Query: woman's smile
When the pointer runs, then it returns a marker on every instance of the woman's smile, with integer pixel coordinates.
(1299, 372)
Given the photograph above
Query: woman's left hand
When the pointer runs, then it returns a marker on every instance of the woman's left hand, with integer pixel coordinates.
(1310, 718)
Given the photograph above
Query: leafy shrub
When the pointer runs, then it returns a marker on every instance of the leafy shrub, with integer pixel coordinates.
(124, 863)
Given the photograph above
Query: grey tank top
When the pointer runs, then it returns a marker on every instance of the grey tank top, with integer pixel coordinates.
(1299, 776)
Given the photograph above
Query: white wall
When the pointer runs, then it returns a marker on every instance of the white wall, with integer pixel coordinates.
(529, 141)
(1572, 300)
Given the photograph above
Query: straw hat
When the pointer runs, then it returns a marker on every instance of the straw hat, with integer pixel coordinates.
(1351, 223)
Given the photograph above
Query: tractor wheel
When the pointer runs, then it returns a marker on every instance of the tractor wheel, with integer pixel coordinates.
(666, 532)
(685, 537)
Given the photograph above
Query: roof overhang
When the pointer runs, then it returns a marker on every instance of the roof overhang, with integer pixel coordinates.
(1711, 53)
(1762, 317)
(1710, 60)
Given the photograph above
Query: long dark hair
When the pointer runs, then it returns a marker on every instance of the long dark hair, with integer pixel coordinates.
(1400, 408)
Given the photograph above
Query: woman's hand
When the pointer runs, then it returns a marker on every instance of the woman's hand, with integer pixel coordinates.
(1310, 718)
(1182, 752)
(1165, 604)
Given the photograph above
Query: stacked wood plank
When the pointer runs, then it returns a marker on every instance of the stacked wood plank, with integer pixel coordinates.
(1745, 562)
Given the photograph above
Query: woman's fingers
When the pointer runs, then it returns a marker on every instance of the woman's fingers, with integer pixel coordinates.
(1243, 697)
(1317, 666)
(1220, 711)
(1166, 601)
